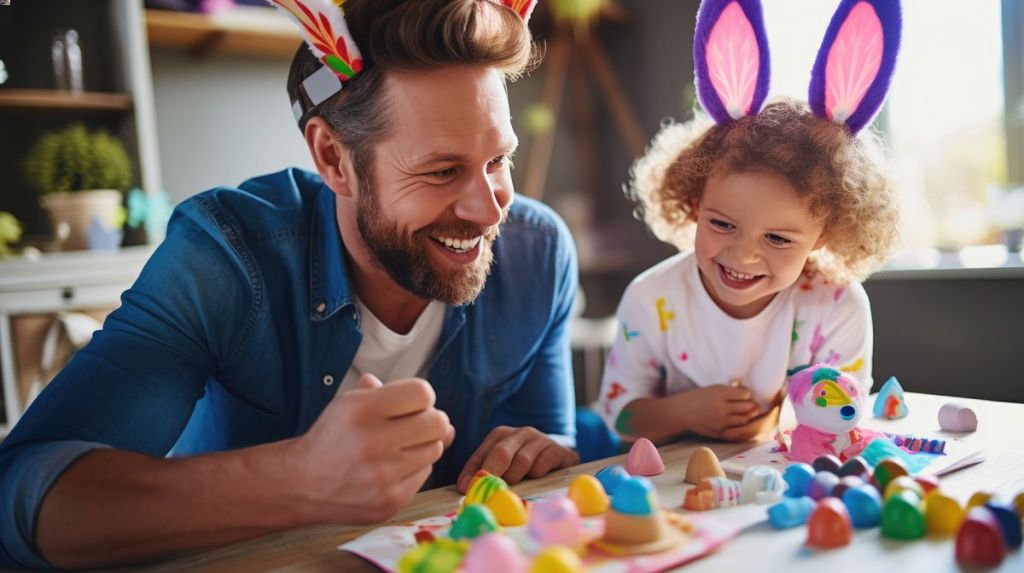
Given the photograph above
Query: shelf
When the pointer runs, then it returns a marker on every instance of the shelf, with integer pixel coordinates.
(54, 99)
(249, 31)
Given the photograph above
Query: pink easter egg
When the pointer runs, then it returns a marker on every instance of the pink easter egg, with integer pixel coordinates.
(644, 459)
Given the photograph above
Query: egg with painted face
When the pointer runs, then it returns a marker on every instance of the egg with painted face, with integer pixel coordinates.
(827, 399)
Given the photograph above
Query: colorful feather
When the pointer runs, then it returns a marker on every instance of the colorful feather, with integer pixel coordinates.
(730, 55)
(854, 67)
(522, 7)
(326, 32)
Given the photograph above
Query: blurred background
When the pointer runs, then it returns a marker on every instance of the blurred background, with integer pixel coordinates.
(156, 101)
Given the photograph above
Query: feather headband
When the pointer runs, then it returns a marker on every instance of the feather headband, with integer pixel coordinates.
(323, 27)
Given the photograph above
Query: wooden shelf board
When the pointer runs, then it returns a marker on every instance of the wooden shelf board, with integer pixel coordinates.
(55, 99)
(241, 31)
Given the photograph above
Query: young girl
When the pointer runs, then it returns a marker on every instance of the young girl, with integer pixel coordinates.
(778, 213)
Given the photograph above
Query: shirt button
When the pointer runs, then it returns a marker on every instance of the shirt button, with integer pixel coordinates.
(321, 307)
(328, 380)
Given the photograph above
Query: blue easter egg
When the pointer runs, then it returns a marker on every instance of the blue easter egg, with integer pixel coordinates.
(610, 477)
(798, 476)
(821, 485)
(1009, 523)
(864, 504)
(790, 512)
(634, 496)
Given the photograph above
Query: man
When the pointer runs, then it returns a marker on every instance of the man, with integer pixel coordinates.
(274, 343)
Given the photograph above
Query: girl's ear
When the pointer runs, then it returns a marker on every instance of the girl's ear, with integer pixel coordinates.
(730, 58)
(855, 63)
(821, 242)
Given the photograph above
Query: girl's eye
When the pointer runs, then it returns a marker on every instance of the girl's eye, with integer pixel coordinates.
(777, 240)
(719, 224)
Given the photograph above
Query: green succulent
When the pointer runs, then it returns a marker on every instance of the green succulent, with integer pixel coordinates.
(74, 159)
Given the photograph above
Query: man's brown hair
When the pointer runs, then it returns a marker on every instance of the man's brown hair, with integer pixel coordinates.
(410, 35)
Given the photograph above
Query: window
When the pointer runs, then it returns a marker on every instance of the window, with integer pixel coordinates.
(946, 116)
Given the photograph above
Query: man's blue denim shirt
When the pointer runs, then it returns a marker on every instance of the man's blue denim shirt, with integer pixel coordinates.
(226, 338)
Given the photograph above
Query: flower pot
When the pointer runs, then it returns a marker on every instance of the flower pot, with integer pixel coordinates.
(91, 218)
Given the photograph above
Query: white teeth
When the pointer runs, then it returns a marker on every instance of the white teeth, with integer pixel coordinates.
(458, 245)
(737, 275)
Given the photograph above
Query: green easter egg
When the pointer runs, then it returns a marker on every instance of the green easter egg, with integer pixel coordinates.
(475, 520)
(902, 517)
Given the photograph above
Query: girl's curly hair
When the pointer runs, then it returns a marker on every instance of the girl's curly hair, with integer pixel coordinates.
(843, 179)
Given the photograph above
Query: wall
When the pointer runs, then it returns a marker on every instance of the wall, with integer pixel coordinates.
(222, 120)
(958, 334)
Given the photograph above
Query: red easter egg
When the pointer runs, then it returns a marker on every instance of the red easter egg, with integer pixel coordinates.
(980, 540)
(829, 524)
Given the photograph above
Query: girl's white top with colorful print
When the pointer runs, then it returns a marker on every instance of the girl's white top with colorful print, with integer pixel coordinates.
(673, 337)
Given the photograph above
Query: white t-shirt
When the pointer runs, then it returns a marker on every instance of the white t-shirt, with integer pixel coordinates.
(392, 356)
(672, 337)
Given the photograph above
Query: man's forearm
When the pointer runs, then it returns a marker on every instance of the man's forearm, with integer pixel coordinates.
(114, 507)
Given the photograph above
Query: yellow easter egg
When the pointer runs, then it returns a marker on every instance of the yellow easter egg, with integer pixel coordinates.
(557, 559)
(482, 487)
(903, 483)
(978, 499)
(507, 507)
(942, 514)
(588, 495)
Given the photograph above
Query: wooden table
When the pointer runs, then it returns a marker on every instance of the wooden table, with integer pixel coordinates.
(761, 548)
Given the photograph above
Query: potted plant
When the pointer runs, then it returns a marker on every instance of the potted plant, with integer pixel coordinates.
(81, 176)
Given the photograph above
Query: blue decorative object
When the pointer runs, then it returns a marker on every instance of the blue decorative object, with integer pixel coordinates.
(881, 448)
(798, 476)
(152, 209)
(99, 237)
(864, 504)
(634, 496)
(610, 477)
(790, 512)
(890, 403)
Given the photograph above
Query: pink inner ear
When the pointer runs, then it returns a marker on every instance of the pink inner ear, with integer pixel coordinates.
(853, 62)
(732, 58)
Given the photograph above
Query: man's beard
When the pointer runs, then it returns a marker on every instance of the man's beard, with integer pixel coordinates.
(406, 260)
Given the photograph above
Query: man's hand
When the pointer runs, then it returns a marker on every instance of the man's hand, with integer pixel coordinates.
(370, 450)
(514, 453)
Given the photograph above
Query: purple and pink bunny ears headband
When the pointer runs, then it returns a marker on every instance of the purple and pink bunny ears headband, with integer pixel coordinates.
(850, 77)
(322, 24)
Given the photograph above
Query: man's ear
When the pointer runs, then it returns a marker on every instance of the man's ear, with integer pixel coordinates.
(330, 156)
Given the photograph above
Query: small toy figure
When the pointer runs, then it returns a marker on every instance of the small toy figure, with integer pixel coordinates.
(828, 404)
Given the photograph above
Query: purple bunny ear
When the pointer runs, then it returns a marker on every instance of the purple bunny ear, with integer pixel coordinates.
(730, 57)
(855, 63)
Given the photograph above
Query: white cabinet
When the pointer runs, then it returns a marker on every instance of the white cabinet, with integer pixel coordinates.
(56, 283)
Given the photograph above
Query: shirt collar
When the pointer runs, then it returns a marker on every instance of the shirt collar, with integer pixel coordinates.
(329, 288)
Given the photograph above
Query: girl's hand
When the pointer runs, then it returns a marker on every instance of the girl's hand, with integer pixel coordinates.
(711, 410)
(754, 428)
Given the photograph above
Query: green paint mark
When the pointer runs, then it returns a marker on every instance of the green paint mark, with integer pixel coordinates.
(338, 65)
(623, 424)
(796, 325)
(820, 401)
